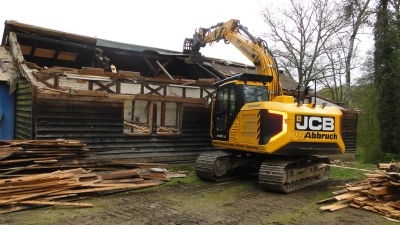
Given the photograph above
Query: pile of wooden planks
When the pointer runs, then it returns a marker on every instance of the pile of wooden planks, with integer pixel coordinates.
(379, 193)
(54, 172)
(58, 187)
(23, 154)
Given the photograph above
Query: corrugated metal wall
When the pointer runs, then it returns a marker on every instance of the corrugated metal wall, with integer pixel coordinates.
(6, 112)
(101, 125)
(23, 110)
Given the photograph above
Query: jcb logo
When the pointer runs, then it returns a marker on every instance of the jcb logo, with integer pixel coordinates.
(315, 123)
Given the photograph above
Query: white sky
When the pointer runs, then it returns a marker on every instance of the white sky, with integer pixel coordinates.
(155, 23)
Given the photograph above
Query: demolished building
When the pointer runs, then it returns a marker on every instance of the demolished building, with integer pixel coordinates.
(127, 101)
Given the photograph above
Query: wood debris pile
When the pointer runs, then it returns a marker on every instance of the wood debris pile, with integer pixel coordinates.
(23, 153)
(52, 172)
(379, 193)
(140, 127)
(167, 130)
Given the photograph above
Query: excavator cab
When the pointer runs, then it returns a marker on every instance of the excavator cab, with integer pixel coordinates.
(231, 95)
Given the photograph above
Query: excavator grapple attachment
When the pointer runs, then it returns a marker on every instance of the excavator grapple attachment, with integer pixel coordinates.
(195, 56)
(188, 46)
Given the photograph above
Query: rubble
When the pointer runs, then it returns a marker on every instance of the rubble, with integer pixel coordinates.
(379, 193)
(55, 172)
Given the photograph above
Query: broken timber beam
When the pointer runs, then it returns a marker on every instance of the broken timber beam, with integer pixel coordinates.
(165, 71)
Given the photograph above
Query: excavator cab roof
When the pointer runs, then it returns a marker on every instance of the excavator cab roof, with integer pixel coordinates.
(246, 77)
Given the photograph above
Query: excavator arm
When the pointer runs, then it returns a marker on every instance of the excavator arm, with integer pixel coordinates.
(255, 49)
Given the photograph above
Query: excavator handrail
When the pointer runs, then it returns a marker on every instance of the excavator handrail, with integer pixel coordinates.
(245, 77)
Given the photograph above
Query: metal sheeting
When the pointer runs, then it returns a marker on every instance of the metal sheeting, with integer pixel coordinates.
(6, 112)
(133, 47)
(101, 126)
(12, 24)
(23, 110)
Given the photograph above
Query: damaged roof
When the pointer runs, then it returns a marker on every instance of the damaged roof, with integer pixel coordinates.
(6, 65)
(48, 47)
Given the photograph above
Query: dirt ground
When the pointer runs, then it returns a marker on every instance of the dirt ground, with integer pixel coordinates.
(199, 202)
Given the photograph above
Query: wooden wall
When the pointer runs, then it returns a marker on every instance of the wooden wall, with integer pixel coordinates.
(100, 123)
(23, 110)
(349, 130)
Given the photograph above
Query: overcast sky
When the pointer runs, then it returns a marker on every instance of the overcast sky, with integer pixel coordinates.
(155, 23)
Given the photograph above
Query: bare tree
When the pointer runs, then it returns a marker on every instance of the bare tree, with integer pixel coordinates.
(317, 39)
(336, 51)
(300, 30)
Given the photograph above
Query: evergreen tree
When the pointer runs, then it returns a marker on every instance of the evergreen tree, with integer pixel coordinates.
(387, 62)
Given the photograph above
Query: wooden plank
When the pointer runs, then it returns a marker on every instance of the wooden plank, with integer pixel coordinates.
(358, 188)
(355, 206)
(3, 162)
(383, 166)
(175, 175)
(119, 174)
(130, 180)
(340, 192)
(362, 198)
(37, 202)
(169, 98)
(88, 190)
(383, 191)
(369, 208)
(37, 176)
(374, 175)
(91, 93)
(58, 196)
(128, 74)
(334, 207)
(326, 200)
(91, 71)
(346, 196)
(74, 97)
(34, 186)
(24, 197)
(46, 161)
(152, 177)
(27, 182)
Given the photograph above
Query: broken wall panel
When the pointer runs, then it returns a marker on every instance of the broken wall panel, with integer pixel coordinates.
(130, 88)
(66, 84)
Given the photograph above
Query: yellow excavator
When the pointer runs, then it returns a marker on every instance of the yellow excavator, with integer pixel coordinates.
(263, 131)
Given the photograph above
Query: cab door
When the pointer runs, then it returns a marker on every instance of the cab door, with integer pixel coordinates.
(224, 112)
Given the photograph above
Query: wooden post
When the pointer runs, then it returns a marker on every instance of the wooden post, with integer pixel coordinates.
(162, 114)
(90, 85)
(56, 81)
(118, 87)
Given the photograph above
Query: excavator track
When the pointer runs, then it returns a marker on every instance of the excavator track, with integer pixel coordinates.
(224, 165)
(288, 176)
(281, 173)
